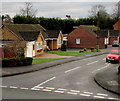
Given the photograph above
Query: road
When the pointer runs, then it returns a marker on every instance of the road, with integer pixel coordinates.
(70, 80)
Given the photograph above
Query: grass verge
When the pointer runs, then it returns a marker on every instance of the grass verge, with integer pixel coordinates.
(36, 61)
(67, 53)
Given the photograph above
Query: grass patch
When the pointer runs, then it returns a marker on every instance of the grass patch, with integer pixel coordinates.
(67, 53)
(37, 61)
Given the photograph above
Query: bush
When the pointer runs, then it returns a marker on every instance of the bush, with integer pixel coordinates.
(85, 49)
(63, 47)
(16, 61)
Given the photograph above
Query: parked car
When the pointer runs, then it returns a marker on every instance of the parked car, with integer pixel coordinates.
(115, 43)
(113, 56)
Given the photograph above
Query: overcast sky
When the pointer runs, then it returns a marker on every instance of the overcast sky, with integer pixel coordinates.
(53, 8)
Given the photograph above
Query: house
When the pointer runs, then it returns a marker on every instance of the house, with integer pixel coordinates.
(84, 36)
(108, 36)
(54, 39)
(30, 36)
(116, 26)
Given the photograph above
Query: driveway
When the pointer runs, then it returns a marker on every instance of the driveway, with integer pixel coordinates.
(47, 55)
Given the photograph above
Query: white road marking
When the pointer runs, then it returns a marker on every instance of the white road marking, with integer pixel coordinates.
(98, 97)
(47, 90)
(34, 89)
(113, 98)
(13, 87)
(92, 62)
(57, 91)
(102, 94)
(72, 69)
(75, 91)
(101, 68)
(104, 59)
(61, 89)
(44, 82)
(72, 93)
(24, 88)
(50, 88)
(87, 92)
(85, 95)
(3, 86)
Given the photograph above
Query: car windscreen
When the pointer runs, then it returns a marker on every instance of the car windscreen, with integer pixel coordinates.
(115, 52)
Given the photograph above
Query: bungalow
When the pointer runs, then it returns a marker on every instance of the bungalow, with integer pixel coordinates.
(84, 36)
(117, 25)
(108, 36)
(54, 39)
(30, 36)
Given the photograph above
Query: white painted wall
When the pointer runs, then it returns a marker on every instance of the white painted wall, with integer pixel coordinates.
(29, 49)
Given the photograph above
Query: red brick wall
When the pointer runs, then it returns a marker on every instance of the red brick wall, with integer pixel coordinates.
(87, 39)
(101, 42)
(117, 25)
(111, 39)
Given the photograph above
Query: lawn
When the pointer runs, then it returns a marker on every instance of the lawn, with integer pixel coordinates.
(67, 53)
(36, 61)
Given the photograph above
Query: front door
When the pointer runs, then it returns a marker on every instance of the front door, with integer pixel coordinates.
(29, 49)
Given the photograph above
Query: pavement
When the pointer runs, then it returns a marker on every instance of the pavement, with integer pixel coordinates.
(108, 79)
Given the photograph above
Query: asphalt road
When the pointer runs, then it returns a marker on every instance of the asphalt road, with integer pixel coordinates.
(70, 80)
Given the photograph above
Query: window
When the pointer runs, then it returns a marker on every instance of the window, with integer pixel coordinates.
(59, 41)
(39, 45)
(45, 43)
(77, 41)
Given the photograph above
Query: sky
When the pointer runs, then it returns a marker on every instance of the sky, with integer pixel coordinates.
(53, 8)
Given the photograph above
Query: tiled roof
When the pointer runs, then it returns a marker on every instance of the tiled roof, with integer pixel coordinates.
(53, 33)
(106, 33)
(28, 32)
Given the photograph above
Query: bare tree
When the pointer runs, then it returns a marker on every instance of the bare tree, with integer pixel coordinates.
(28, 10)
(98, 10)
(116, 11)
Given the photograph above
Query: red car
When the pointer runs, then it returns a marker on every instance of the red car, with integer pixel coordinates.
(113, 56)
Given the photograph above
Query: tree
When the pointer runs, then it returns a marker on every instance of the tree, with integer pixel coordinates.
(28, 10)
(98, 11)
(116, 11)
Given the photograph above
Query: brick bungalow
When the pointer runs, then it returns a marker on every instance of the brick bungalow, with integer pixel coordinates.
(54, 39)
(30, 36)
(33, 37)
(117, 25)
(108, 36)
(84, 37)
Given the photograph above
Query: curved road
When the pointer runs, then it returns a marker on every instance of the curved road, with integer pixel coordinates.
(74, 79)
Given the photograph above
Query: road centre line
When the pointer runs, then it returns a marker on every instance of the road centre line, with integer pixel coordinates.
(100, 68)
(102, 94)
(87, 92)
(44, 82)
(3, 86)
(72, 69)
(47, 90)
(92, 62)
(98, 97)
(61, 89)
(13, 87)
(57, 91)
(24, 88)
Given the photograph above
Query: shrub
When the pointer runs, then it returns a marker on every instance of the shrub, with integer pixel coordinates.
(85, 49)
(16, 61)
(63, 47)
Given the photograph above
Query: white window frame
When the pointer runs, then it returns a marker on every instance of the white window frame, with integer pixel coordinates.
(45, 43)
(59, 41)
(39, 45)
(78, 41)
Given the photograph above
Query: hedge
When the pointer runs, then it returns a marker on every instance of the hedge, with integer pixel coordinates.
(16, 61)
